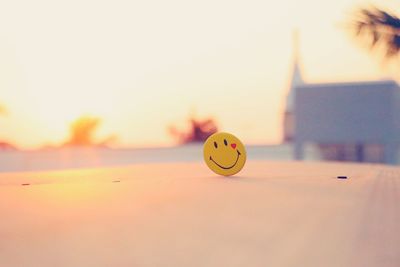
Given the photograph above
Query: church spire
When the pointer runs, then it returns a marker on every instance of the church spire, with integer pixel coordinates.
(296, 78)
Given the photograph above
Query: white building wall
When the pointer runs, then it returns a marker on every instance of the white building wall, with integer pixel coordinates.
(348, 113)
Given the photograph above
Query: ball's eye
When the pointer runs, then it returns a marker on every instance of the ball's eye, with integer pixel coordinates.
(215, 144)
(225, 142)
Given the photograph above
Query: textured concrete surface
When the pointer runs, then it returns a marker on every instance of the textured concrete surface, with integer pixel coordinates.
(271, 214)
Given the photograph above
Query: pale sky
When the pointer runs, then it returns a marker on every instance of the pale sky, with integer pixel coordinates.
(142, 66)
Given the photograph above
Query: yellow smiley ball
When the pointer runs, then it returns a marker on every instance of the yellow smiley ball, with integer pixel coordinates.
(224, 154)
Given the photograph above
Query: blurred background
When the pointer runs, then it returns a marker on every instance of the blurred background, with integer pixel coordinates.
(101, 83)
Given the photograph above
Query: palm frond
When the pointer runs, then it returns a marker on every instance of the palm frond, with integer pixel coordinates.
(380, 28)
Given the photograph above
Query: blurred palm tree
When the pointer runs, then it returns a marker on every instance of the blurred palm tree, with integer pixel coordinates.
(82, 132)
(198, 131)
(381, 29)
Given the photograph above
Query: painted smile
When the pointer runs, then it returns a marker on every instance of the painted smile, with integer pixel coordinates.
(230, 167)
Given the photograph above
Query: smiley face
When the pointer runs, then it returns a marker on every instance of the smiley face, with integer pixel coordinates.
(224, 154)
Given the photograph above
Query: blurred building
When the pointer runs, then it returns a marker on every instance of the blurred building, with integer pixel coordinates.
(347, 121)
(355, 121)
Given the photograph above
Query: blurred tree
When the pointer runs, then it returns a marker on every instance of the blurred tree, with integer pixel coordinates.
(380, 28)
(82, 132)
(198, 131)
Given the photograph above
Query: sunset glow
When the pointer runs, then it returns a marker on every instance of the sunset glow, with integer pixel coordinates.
(142, 66)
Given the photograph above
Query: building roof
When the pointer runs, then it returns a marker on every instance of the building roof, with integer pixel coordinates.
(385, 82)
